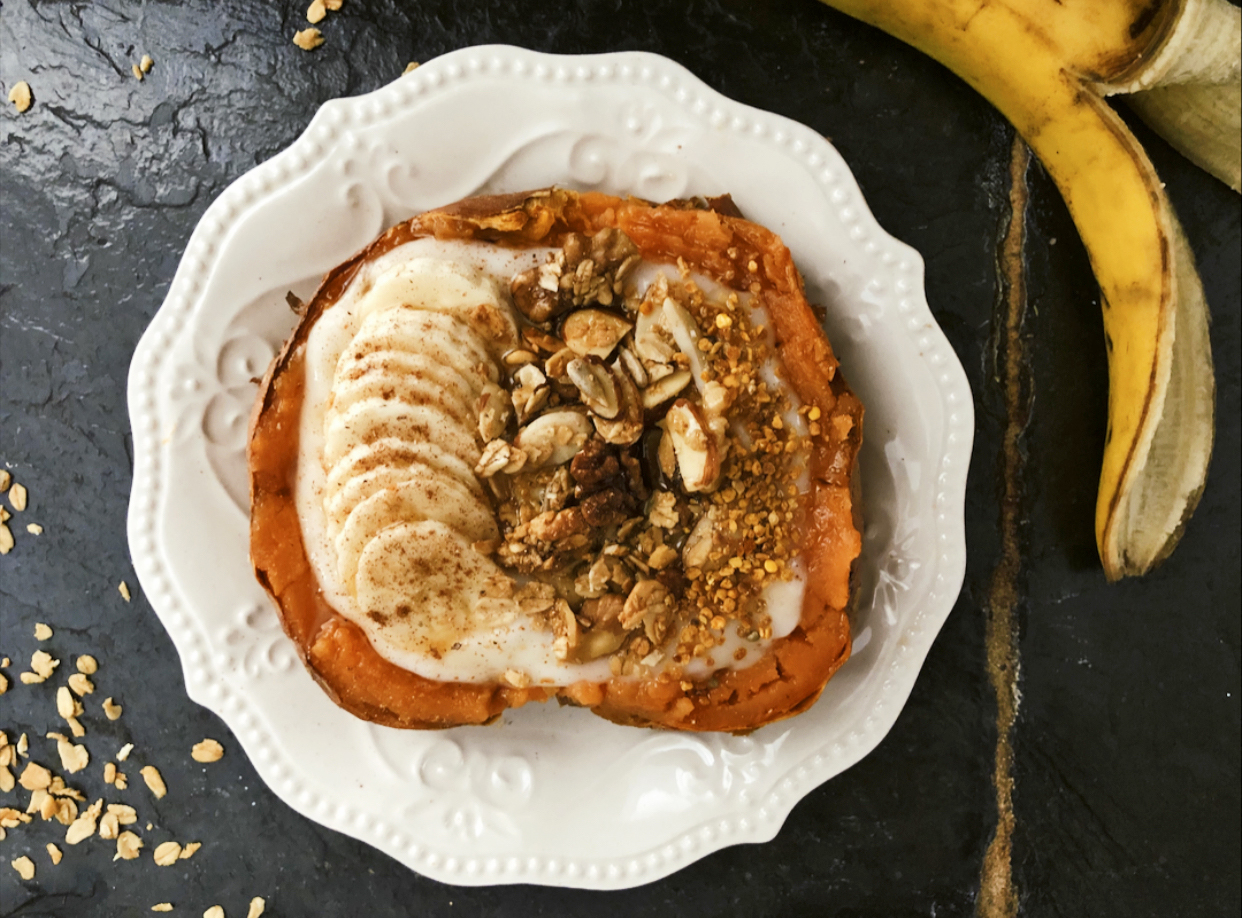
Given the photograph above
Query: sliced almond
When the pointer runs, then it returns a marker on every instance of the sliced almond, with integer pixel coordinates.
(111, 710)
(554, 438)
(125, 751)
(162, 907)
(626, 428)
(215, 911)
(166, 854)
(694, 445)
(87, 665)
(316, 11)
(54, 853)
(596, 387)
(540, 340)
(257, 905)
(665, 388)
(80, 684)
(187, 851)
(652, 341)
(42, 632)
(634, 366)
(555, 365)
(594, 331)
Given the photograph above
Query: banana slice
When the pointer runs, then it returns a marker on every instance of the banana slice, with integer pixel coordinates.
(391, 452)
(423, 586)
(424, 495)
(406, 388)
(421, 366)
(447, 289)
(416, 332)
(360, 487)
(375, 418)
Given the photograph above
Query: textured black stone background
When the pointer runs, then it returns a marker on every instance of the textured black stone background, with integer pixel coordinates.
(1127, 744)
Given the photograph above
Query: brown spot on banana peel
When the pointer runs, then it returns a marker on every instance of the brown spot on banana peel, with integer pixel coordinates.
(1116, 201)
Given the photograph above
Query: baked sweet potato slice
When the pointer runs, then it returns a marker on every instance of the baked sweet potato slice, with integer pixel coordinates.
(710, 238)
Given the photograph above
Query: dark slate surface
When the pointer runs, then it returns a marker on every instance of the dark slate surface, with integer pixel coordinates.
(1127, 742)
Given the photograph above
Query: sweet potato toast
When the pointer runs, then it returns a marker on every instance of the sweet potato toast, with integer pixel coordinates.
(709, 238)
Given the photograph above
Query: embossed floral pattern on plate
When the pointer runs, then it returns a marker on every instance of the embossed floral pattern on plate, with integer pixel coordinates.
(552, 796)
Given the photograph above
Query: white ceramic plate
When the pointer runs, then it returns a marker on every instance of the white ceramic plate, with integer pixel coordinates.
(552, 795)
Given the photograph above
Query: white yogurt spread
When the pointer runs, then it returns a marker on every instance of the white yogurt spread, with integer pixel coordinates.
(386, 490)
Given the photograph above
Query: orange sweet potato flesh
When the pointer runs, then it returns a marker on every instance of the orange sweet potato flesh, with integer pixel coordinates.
(719, 244)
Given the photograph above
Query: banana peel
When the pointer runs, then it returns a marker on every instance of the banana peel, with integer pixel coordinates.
(1048, 65)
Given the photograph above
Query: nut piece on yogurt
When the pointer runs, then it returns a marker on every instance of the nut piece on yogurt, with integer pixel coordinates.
(554, 438)
(495, 410)
(594, 332)
(665, 388)
(596, 387)
(694, 445)
(532, 392)
(626, 427)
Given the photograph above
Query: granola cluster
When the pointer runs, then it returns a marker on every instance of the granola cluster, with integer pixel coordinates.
(643, 465)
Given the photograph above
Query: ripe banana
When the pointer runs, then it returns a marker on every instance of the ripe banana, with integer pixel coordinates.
(1047, 66)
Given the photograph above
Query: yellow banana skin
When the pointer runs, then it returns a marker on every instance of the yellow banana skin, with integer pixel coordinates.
(1040, 62)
